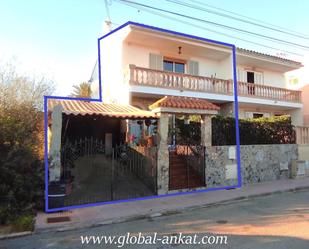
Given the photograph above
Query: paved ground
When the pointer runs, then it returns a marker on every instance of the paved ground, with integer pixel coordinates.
(276, 221)
(118, 212)
(93, 182)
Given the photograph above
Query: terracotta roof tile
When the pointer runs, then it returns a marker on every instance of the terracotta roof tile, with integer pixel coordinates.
(184, 103)
(78, 107)
(276, 58)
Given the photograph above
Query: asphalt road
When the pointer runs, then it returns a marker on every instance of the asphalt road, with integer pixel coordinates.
(277, 221)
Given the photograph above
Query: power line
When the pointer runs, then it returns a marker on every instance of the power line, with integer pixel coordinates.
(207, 29)
(107, 10)
(196, 7)
(218, 24)
(247, 17)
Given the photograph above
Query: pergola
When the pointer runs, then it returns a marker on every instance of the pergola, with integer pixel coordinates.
(84, 108)
(179, 105)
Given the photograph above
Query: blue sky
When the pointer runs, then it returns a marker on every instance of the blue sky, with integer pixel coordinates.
(59, 38)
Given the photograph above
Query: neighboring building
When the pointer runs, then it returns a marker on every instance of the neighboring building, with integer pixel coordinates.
(305, 101)
(140, 65)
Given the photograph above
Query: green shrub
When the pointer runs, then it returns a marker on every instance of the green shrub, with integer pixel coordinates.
(23, 223)
(21, 142)
(274, 130)
(21, 184)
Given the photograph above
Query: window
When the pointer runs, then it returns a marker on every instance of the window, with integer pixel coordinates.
(173, 66)
(258, 115)
(250, 77)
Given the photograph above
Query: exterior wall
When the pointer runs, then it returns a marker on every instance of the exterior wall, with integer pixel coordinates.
(111, 53)
(297, 117)
(258, 163)
(142, 103)
(226, 68)
(227, 109)
(95, 89)
(139, 56)
(303, 152)
(117, 54)
(245, 112)
(296, 114)
(270, 78)
(305, 100)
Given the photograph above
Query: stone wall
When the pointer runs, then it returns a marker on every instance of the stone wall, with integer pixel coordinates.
(258, 163)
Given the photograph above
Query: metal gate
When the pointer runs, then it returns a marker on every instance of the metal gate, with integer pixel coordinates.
(186, 167)
(90, 175)
(134, 172)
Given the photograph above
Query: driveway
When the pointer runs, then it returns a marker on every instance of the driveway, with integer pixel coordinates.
(93, 182)
(276, 221)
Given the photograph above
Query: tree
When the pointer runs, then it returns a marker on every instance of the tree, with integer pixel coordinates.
(83, 90)
(21, 106)
(21, 141)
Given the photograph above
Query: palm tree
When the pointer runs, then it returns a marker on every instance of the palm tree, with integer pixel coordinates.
(83, 90)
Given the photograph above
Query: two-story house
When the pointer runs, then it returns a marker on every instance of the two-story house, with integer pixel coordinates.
(139, 65)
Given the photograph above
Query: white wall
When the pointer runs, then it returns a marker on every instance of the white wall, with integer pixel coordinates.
(271, 78)
(111, 53)
(226, 67)
(297, 79)
(95, 89)
(139, 56)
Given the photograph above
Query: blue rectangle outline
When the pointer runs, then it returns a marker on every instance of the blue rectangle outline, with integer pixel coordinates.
(239, 179)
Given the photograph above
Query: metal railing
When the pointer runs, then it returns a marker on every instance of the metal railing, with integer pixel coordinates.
(140, 161)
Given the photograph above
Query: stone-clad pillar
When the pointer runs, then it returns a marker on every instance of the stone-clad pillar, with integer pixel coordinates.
(227, 109)
(206, 130)
(55, 145)
(163, 155)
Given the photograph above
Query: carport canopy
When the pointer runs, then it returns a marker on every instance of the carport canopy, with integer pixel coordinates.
(81, 107)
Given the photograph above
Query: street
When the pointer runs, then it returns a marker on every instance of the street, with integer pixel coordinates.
(274, 221)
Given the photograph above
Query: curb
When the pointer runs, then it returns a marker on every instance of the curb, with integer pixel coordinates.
(71, 227)
(15, 235)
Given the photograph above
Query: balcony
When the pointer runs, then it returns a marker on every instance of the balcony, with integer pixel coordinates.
(139, 76)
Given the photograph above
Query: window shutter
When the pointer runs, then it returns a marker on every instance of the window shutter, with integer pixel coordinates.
(156, 61)
(241, 75)
(193, 67)
(238, 75)
(258, 78)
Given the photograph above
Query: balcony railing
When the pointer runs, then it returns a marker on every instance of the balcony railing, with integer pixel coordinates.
(268, 92)
(156, 78)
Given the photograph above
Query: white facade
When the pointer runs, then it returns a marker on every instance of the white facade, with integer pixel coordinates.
(147, 49)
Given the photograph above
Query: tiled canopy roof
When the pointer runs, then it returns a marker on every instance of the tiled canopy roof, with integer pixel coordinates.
(184, 103)
(77, 107)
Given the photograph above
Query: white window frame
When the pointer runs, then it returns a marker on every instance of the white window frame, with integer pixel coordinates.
(255, 72)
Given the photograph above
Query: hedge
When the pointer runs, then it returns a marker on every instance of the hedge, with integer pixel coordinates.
(274, 130)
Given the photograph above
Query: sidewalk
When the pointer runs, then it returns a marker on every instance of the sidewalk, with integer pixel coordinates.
(121, 212)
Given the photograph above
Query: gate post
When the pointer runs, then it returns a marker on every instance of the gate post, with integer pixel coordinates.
(206, 130)
(163, 155)
(54, 155)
